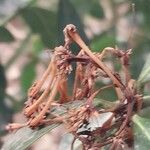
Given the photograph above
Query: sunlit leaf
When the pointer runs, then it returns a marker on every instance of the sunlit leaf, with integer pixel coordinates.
(24, 137)
(5, 35)
(43, 22)
(141, 133)
(144, 76)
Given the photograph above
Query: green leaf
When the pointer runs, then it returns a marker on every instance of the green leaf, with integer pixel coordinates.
(145, 113)
(43, 22)
(67, 15)
(102, 42)
(146, 101)
(144, 76)
(96, 9)
(5, 111)
(2, 83)
(141, 133)
(24, 137)
(143, 9)
(89, 7)
(28, 75)
(37, 45)
(101, 103)
(108, 95)
(5, 35)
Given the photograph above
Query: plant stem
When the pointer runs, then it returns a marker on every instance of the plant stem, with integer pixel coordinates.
(39, 118)
(29, 110)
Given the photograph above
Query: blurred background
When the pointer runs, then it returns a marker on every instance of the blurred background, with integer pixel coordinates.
(30, 29)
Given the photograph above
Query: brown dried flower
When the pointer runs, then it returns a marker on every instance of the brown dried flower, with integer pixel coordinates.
(116, 129)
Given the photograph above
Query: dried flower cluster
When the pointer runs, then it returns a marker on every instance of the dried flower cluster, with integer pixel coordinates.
(116, 131)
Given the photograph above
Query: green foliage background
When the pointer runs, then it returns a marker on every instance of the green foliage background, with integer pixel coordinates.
(46, 24)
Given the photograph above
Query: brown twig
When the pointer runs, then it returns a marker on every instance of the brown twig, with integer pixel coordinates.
(41, 116)
(29, 110)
